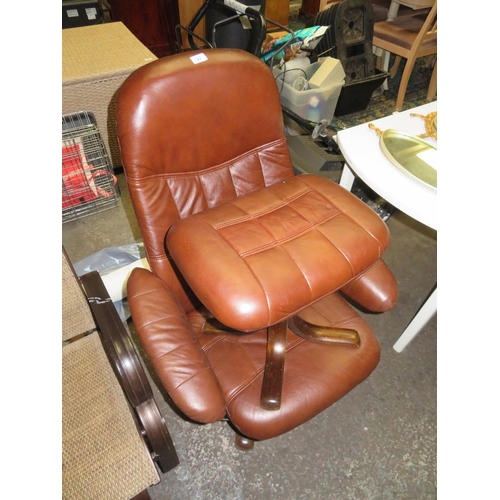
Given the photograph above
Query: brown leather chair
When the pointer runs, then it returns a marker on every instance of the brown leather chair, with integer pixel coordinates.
(241, 313)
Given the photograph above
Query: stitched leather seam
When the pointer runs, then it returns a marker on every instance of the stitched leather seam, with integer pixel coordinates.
(212, 343)
(176, 348)
(256, 215)
(338, 323)
(355, 222)
(177, 387)
(289, 237)
(251, 271)
(201, 173)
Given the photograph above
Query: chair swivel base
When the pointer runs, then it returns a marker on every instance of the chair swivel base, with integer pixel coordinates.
(276, 350)
(264, 240)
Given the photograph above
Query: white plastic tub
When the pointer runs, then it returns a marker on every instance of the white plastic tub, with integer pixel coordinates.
(312, 104)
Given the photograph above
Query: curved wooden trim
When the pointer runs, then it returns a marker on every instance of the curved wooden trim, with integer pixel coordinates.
(157, 434)
(129, 371)
(116, 341)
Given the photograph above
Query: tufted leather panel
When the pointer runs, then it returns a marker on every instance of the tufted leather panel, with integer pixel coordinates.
(173, 348)
(268, 254)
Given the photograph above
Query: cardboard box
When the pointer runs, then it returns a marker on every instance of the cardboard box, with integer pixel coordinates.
(329, 73)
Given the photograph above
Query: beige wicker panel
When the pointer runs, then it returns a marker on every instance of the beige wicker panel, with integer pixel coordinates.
(103, 455)
(76, 315)
(96, 60)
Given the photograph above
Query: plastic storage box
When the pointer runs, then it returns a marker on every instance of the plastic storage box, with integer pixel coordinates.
(312, 104)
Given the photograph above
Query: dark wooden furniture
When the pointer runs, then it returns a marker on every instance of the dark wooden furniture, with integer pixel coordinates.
(151, 21)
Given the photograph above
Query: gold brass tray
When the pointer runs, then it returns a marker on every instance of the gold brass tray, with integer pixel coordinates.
(410, 154)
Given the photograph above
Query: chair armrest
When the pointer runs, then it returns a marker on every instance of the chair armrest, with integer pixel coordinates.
(129, 370)
(374, 289)
(173, 347)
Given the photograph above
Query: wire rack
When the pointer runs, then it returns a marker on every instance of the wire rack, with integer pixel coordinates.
(88, 183)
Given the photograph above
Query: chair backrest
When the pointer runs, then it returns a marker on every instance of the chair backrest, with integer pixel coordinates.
(409, 37)
(196, 130)
(426, 40)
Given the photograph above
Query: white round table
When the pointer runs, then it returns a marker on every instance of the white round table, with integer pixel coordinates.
(361, 149)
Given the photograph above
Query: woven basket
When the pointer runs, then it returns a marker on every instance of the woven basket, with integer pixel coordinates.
(103, 456)
(96, 61)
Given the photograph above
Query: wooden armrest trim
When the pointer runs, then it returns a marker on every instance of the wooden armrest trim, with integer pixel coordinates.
(129, 371)
(117, 341)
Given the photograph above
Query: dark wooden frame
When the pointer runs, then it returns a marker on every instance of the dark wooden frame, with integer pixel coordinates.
(130, 373)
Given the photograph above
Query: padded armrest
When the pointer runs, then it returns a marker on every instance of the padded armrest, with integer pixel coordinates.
(375, 289)
(173, 348)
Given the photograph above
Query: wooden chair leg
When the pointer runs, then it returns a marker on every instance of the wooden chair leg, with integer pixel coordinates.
(143, 495)
(395, 66)
(317, 333)
(272, 383)
(405, 78)
(432, 91)
(270, 398)
(243, 443)
(384, 66)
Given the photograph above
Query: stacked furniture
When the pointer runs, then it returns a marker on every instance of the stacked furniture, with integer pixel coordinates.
(409, 38)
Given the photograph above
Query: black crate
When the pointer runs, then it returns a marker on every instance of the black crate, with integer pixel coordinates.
(356, 95)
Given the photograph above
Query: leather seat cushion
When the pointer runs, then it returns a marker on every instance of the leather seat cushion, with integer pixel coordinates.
(250, 261)
(402, 31)
(314, 372)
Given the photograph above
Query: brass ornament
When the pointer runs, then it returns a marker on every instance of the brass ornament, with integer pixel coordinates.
(430, 121)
